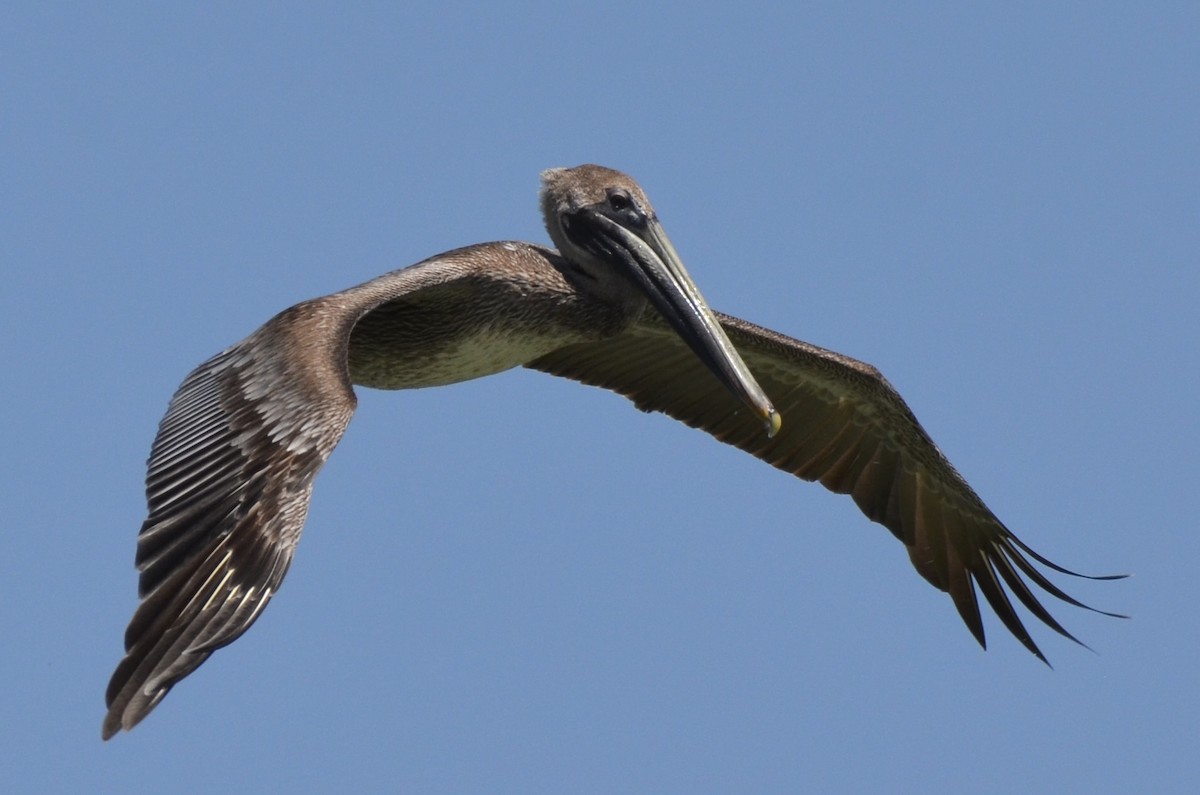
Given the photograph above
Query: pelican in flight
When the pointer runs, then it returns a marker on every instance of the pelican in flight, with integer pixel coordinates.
(231, 469)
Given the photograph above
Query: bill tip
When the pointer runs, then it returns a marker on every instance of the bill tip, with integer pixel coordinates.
(774, 421)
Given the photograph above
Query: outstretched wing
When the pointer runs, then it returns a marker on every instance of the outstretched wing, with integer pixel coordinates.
(230, 475)
(845, 426)
(231, 470)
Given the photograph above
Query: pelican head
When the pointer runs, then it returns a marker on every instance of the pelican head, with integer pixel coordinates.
(602, 222)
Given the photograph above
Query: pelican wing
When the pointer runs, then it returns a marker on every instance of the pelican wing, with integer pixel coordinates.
(230, 475)
(846, 427)
(232, 467)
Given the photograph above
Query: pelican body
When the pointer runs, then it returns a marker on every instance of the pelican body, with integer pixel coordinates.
(231, 469)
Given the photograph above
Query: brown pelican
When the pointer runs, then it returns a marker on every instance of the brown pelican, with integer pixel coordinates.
(232, 467)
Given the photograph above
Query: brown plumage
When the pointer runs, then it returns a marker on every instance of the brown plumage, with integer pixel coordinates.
(232, 467)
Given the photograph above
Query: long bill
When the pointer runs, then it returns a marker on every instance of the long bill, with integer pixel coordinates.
(651, 261)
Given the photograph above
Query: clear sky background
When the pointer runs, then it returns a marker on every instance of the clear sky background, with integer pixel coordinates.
(523, 585)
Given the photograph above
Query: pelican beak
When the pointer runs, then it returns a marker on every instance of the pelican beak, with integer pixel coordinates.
(648, 257)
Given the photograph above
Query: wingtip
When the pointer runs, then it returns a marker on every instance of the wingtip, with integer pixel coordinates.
(1061, 569)
(110, 727)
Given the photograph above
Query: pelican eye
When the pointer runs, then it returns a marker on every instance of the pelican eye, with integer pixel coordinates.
(619, 200)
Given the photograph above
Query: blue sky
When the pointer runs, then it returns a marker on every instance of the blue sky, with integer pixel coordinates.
(523, 585)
